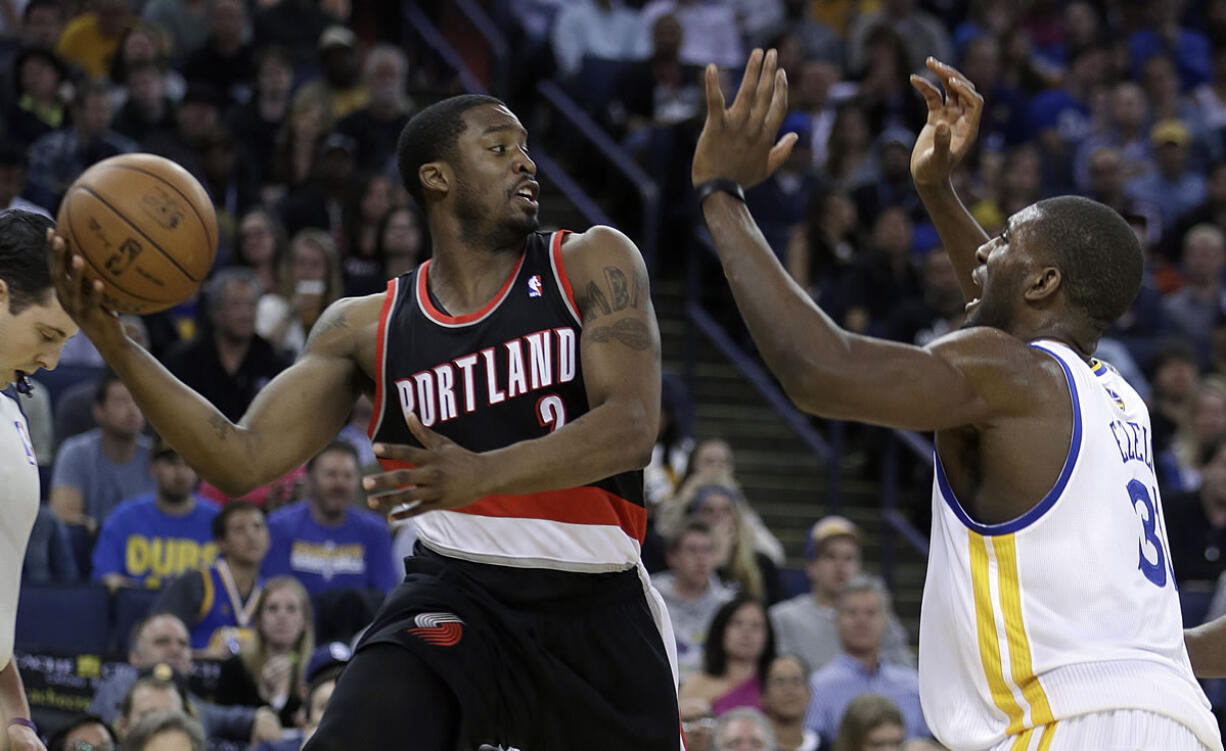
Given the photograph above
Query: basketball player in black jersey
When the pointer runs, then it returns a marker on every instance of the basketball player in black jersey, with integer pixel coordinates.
(516, 379)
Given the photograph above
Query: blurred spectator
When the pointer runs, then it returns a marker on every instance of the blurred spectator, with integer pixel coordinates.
(1173, 187)
(674, 443)
(367, 199)
(269, 669)
(1059, 118)
(849, 160)
(195, 118)
(222, 625)
(870, 723)
(13, 183)
(922, 34)
(744, 729)
(83, 728)
(1166, 99)
(164, 731)
(1175, 376)
(698, 723)
(310, 281)
(1164, 33)
(162, 638)
(1198, 431)
(142, 43)
(818, 41)
(158, 691)
(59, 157)
(256, 123)
(317, 202)
(859, 668)
(940, 311)
(91, 39)
(339, 84)
(295, 25)
(324, 541)
(785, 697)
(1210, 96)
(893, 186)
(658, 91)
(709, 31)
(884, 276)
(691, 590)
(147, 115)
(232, 183)
(1194, 308)
(151, 538)
(778, 203)
(325, 666)
(42, 23)
(96, 470)
(228, 363)
(811, 95)
(375, 127)
(738, 561)
(807, 625)
(1020, 184)
(49, 557)
(404, 241)
(1106, 180)
(710, 461)
(739, 649)
(185, 22)
(823, 248)
(1212, 211)
(884, 92)
(1124, 131)
(261, 246)
(302, 132)
(1004, 107)
(604, 29)
(225, 58)
(1196, 523)
(36, 107)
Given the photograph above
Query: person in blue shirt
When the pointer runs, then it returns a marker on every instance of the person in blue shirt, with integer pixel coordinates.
(324, 540)
(149, 539)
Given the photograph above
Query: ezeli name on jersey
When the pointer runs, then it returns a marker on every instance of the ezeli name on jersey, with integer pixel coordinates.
(491, 376)
(1133, 441)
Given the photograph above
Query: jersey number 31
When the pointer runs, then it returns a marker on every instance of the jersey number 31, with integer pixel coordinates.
(1153, 560)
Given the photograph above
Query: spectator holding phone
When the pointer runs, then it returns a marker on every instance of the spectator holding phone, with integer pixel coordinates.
(310, 279)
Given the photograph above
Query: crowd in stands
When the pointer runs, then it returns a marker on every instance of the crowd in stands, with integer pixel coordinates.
(288, 112)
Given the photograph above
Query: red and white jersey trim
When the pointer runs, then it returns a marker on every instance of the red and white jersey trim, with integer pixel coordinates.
(528, 543)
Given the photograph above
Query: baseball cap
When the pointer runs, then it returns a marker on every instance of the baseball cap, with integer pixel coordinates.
(1170, 131)
(829, 527)
(336, 36)
(326, 656)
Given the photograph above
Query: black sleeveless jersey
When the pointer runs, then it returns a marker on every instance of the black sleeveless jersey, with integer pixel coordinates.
(506, 373)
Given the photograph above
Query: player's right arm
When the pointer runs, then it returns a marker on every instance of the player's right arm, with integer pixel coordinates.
(953, 123)
(291, 419)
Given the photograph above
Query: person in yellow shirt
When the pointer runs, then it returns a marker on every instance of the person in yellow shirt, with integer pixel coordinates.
(91, 39)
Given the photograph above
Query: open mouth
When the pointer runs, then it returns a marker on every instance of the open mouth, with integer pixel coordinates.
(528, 191)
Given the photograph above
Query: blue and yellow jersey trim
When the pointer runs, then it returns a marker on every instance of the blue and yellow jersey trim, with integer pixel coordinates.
(1019, 695)
(1098, 367)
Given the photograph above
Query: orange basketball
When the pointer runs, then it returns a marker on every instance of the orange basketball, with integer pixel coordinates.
(145, 227)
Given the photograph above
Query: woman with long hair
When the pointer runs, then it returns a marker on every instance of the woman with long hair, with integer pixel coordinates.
(871, 723)
(309, 280)
(308, 122)
(368, 198)
(403, 240)
(269, 669)
(261, 245)
(739, 650)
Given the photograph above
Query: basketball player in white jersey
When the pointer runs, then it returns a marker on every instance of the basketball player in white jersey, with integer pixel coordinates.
(1050, 619)
(33, 329)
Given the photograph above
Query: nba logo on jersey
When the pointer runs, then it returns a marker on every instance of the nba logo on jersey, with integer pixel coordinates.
(25, 441)
(534, 285)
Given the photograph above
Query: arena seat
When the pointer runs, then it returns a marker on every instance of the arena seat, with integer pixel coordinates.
(64, 618)
(130, 605)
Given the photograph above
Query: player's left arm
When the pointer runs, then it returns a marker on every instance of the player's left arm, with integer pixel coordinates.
(13, 705)
(1207, 648)
(619, 347)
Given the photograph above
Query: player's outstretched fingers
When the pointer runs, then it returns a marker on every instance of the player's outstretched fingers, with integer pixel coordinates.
(932, 95)
(762, 94)
(745, 94)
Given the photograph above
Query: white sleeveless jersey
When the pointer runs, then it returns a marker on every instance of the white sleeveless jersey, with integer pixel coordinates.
(1069, 609)
(18, 508)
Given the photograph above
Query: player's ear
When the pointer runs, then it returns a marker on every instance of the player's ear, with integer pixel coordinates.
(435, 176)
(1043, 284)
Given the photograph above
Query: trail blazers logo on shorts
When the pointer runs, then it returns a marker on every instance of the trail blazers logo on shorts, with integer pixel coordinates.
(439, 629)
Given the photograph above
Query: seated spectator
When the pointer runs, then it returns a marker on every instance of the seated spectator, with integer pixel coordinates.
(37, 107)
(293, 24)
(196, 117)
(339, 85)
(367, 200)
(1196, 523)
(1194, 308)
(940, 311)
(1174, 187)
(893, 187)
(97, 469)
(185, 22)
(225, 57)
(91, 39)
(806, 625)
(257, 122)
(302, 132)
(218, 602)
(152, 538)
(162, 638)
(57, 158)
(375, 127)
(859, 667)
(785, 698)
(269, 669)
(261, 245)
(317, 202)
(1175, 376)
(744, 729)
(404, 241)
(657, 91)
(778, 203)
(923, 33)
(691, 590)
(870, 723)
(322, 672)
(849, 154)
(604, 29)
(739, 649)
(159, 689)
(166, 731)
(49, 557)
(83, 729)
(13, 169)
(42, 24)
(698, 724)
(1179, 469)
(228, 363)
(883, 277)
(310, 281)
(709, 30)
(147, 115)
(324, 541)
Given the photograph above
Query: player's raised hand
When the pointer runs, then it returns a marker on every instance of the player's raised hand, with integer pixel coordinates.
(738, 143)
(442, 475)
(953, 123)
(79, 294)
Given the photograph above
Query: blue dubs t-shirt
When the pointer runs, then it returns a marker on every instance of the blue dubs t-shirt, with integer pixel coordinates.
(356, 554)
(139, 541)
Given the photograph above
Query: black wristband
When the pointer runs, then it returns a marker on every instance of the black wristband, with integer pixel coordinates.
(730, 187)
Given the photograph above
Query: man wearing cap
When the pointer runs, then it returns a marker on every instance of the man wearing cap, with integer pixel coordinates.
(806, 624)
(339, 85)
(156, 536)
(1172, 187)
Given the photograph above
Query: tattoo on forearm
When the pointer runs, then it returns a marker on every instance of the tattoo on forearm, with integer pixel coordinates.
(629, 331)
(619, 286)
(327, 324)
(221, 426)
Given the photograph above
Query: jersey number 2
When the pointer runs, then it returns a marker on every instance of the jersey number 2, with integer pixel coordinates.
(1153, 561)
(551, 411)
